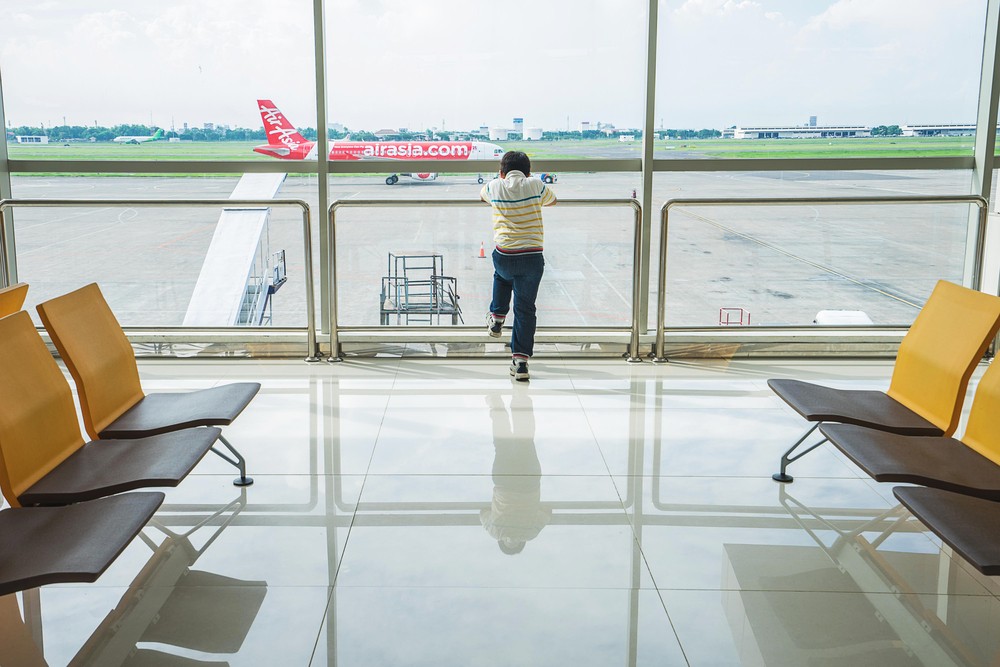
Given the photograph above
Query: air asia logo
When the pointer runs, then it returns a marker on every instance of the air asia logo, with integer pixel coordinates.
(413, 149)
(283, 128)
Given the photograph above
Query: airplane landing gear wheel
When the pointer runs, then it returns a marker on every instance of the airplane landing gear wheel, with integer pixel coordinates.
(392, 180)
(480, 180)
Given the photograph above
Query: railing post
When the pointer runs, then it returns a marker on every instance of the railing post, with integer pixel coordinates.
(332, 287)
(660, 355)
(634, 355)
(312, 344)
(5, 280)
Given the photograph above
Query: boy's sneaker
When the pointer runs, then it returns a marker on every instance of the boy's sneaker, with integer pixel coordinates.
(493, 326)
(519, 369)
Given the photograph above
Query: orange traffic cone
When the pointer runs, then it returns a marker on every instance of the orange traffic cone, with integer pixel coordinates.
(482, 250)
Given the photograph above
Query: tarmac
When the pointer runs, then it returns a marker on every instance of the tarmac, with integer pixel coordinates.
(753, 265)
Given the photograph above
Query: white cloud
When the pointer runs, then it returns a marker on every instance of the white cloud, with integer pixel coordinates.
(716, 7)
(404, 63)
(186, 61)
(890, 61)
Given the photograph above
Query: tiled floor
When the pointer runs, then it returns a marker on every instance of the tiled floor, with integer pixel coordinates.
(433, 512)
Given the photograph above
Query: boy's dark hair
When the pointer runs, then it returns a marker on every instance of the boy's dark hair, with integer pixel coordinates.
(515, 161)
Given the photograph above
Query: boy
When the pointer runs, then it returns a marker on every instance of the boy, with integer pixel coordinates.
(517, 202)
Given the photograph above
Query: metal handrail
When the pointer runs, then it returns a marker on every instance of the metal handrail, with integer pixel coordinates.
(312, 344)
(661, 297)
(633, 349)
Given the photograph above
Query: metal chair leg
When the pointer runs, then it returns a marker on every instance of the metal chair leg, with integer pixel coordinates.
(239, 462)
(782, 476)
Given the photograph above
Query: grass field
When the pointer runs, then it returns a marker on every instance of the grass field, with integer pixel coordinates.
(594, 148)
(811, 148)
(153, 150)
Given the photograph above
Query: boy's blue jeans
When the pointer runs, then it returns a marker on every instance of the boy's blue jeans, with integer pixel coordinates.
(520, 275)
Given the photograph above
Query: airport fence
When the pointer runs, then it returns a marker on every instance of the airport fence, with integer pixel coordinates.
(460, 333)
(8, 261)
(974, 254)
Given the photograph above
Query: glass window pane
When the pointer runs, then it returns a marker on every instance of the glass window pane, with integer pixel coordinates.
(152, 263)
(98, 80)
(557, 79)
(386, 255)
(823, 78)
(771, 266)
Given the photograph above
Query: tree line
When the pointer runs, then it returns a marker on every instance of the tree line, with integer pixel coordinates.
(886, 131)
(59, 133)
(63, 133)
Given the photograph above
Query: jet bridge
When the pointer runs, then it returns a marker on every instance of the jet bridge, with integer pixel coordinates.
(240, 273)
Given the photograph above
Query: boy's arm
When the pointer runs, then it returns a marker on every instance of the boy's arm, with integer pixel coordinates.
(484, 194)
(548, 197)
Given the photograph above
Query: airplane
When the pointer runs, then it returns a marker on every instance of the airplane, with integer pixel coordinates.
(138, 140)
(285, 143)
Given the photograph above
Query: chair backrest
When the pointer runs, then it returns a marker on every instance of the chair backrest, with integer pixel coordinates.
(940, 351)
(12, 298)
(38, 424)
(982, 432)
(97, 354)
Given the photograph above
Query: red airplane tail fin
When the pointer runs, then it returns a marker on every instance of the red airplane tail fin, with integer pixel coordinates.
(278, 128)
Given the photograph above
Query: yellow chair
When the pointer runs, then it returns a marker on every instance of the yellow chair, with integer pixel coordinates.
(43, 457)
(12, 298)
(99, 357)
(960, 478)
(935, 361)
(970, 465)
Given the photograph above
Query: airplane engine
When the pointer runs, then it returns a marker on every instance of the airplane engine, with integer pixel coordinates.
(424, 177)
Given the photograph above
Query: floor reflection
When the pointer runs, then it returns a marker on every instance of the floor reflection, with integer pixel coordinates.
(168, 609)
(515, 515)
(431, 513)
(867, 609)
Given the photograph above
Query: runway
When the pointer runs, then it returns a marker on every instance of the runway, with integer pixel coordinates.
(781, 265)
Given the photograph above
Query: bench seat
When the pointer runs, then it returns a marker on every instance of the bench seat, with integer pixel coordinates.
(935, 362)
(106, 467)
(970, 526)
(167, 412)
(873, 409)
(943, 463)
(48, 545)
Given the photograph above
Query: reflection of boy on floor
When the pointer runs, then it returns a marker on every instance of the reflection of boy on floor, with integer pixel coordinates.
(515, 515)
(517, 202)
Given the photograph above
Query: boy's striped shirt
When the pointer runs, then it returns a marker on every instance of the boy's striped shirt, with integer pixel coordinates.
(517, 212)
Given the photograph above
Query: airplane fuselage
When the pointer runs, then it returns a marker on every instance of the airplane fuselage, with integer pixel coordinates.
(386, 150)
(286, 143)
(141, 139)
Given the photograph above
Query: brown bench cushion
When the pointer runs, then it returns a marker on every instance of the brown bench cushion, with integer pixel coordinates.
(105, 467)
(970, 526)
(47, 545)
(874, 409)
(943, 463)
(166, 412)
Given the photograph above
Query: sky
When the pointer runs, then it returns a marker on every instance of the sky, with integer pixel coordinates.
(459, 64)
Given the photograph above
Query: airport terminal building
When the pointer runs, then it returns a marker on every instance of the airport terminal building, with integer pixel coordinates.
(942, 130)
(802, 132)
(759, 424)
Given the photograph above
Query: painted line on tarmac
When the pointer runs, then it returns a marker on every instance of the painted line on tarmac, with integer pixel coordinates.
(102, 230)
(817, 265)
(65, 218)
(627, 302)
